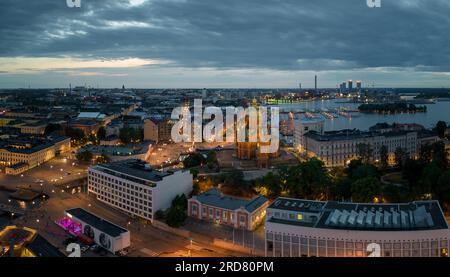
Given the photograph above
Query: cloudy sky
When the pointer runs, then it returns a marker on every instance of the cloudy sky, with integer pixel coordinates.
(224, 43)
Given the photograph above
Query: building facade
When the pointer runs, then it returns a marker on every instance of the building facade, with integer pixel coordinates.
(135, 188)
(227, 210)
(158, 129)
(303, 228)
(18, 156)
(304, 126)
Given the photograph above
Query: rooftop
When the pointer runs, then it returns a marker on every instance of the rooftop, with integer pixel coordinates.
(418, 215)
(28, 145)
(95, 115)
(42, 248)
(214, 197)
(97, 222)
(350, 134)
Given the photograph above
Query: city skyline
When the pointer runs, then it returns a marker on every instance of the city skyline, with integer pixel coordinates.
(210, 44)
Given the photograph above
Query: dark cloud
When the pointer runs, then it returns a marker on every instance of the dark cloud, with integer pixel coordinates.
(273, 34)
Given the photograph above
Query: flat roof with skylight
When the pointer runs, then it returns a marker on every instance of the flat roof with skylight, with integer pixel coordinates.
(418, 215)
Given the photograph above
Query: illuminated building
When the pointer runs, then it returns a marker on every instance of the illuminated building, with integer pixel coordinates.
(337, 148)
(227, 210)
(303, 228)
(135, 188)
(302, 127)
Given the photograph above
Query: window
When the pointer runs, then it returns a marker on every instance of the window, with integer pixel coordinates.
(299, 216)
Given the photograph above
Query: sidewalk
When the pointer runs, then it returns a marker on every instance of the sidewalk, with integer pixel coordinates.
(250, 242)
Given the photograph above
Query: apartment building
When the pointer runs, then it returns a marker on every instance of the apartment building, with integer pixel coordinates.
(158, 129)
(18, 155)
(337, 148)
(303, 126)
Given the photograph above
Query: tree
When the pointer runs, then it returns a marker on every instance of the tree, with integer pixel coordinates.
(366, 190)
(159, 215)
(425, 153)
(400, 156)
(177, 214)
(52, 127)
(340, 184)
(269, 185)
(364, 152)
(176, 217)
(430, 177)
(101, 133)
(314, 179)
(441, 128)
(84, 156)
(211, 159)
(193, 160)
(412, 172)
(194, 172)
(75, 133)
(440, 154)
(92, 138)
(442, 189)
(130, 135)
(234, 178)
(357, 170)
(103, 159)
(180, 201)
(384, 156)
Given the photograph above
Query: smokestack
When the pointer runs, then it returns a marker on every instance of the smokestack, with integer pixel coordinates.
(315, 82)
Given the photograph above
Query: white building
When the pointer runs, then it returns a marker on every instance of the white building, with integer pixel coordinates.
(303, 126)
(135, 188)
(303, 228)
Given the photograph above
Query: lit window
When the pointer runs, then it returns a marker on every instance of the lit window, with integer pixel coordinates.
(299, 217)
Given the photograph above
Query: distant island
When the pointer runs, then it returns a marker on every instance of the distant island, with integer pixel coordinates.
(392, 108)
